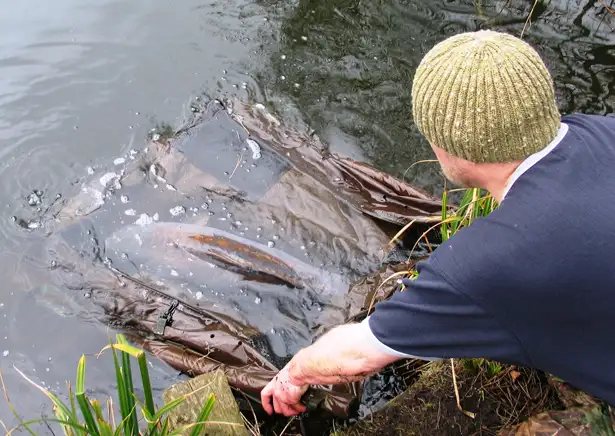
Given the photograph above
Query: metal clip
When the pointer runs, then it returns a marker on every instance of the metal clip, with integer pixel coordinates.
(166, 318)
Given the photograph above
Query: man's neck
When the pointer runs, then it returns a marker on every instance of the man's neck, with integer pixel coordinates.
(495, 177)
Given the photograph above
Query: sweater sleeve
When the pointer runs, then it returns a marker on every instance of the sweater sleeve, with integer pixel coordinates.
(431, 319)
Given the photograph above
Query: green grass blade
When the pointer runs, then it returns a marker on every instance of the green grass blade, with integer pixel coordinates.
(165, 427)
(105, 428)
(147, 385)
(130, 392)
(82, 400)
(73, 407)
(204, 415)
(90, 423)
(98, 413)
(168, 407)
(122, 428)
(444, 226)
(63, 422)
(124, 409)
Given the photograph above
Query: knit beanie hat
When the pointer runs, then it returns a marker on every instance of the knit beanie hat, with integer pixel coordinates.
(485, 97)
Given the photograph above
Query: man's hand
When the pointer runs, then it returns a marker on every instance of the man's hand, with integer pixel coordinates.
(346, 353)
(285, 395)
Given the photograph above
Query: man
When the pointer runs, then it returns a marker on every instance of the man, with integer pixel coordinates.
(532, 284)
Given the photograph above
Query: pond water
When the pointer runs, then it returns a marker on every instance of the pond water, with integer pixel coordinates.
(83, 82)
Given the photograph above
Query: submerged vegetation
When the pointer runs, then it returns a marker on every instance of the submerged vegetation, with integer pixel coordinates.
(83, 416)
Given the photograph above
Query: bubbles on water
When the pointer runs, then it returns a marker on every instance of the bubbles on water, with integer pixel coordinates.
(110, 178)
(144, 219)
(5, 353)
(174, 273)
(204, 206)
(255, 148)
(275, 237)
(156, 216)
(198, 295)
(124, 256)
(130, 212)
(90, 171)
(270, 244)
(34, 225)
(283, 57)
(119, 161)
(34, 199)
(258, 300)
(124, 199)
(304, 38)
(155, 137)
(171, 187)
(177, 210)
(259, 229)
(87, 295)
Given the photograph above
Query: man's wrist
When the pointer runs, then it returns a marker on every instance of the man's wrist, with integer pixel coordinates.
(295, 373)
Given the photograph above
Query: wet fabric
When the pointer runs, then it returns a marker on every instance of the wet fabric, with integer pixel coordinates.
(530, 283)
(229, 246)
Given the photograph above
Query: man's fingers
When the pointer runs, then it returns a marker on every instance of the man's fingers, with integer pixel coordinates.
(266, 396)
(277, 405)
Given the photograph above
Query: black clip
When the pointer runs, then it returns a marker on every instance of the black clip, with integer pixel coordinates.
(166, 318)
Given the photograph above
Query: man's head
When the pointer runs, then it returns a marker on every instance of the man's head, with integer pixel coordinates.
(483, 100)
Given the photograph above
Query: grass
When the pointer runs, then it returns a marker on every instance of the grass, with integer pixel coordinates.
(84, 416)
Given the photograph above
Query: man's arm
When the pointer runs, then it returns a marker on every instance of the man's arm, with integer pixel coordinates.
(344, 354)
(431, 317)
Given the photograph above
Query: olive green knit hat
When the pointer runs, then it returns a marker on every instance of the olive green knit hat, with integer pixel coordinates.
(485, 97)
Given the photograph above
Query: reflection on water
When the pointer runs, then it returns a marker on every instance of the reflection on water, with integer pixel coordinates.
(82, 83)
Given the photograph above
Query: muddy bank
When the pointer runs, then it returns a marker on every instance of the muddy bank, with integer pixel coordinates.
(513, 402)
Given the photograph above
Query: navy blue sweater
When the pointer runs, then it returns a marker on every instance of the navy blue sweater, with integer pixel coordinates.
(533, 283)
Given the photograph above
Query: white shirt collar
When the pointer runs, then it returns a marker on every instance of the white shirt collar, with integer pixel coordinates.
(535, 158)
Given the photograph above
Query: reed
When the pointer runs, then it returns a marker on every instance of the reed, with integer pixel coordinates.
(84, 416)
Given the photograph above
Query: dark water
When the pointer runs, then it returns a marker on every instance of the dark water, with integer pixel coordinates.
(82, 83)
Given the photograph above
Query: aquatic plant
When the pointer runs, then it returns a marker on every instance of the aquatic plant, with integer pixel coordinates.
(84, 416)
(474, 204)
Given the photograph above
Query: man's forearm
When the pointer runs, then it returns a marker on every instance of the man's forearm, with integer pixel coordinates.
(341, 355)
